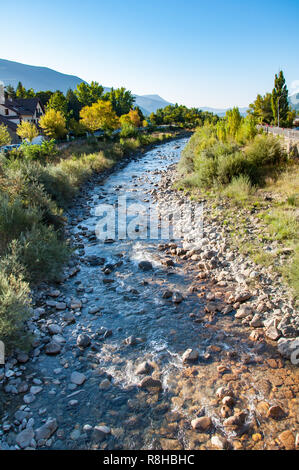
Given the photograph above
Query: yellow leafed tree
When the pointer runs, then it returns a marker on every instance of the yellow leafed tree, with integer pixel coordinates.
(99, 115)
(4, 135)
(27, 130)
(132, 118)
(53, 124)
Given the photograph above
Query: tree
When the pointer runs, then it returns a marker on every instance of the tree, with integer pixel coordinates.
(73, 105)
(27, 130)
(4, 135)
(58, 102)
(21, 92)
(100, 115)
(132, 118)
(10, 91)
(88, 94)
(261, 108)
(77, 128)
(53, 124)
(233, 121)
(280, 103)
(121, 99)
(44, 96)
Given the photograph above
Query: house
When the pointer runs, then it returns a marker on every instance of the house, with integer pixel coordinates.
(14, 111)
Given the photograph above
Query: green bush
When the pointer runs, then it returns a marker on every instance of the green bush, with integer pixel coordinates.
(232, 166)
(14, 305)
(42, 253)
(239, 188)
(46, 152)
(266, 150)
(128, 130)
(14, 220)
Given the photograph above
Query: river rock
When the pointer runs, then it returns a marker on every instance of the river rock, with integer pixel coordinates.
(25, 437)
(60, 306)
(272, 333)
(54, 329)
(177, 297)
(52, 348)
(276, 412)
(22, 357)
(101, 432)
(69, 318)
(289, 348)
(149, 382)
(202, 424)
(144, 368)
(219, 442)
(46, 430)
(190, 355)
(77, 378)
(228, 401)
(83, 340)
(145, 265)
(287, 439)
(167, 294)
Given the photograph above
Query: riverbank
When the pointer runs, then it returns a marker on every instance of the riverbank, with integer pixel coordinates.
(135, 355)
(35, 188)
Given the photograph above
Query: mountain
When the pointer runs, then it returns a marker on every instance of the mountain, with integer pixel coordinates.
(294, 100)
(43, 78)
(150, 103)
(38, 78)
(221, 111)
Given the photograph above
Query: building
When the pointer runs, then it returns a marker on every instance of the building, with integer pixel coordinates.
(14, 111)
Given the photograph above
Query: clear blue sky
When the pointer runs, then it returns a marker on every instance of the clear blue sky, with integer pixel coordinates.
(216, 53)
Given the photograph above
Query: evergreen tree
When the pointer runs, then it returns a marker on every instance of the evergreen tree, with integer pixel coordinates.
(73, 105)
(280, 103)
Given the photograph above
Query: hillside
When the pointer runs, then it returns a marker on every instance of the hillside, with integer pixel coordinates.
(38, 78)
(44, 78)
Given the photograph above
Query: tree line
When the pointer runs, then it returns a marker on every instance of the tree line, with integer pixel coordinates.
(274, 108)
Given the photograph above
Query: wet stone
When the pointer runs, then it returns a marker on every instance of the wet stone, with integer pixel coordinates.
(25, 437)
(83, 341)
(52, 348)
(144, 368)
(190, 355)
(150, 383)
(145, 265)
(77, 378)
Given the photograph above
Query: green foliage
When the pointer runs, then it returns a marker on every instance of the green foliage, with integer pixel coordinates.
(280, 103)
(239, 189)
(4, 135)
(218, 162)
(46, 152)
(182, 116)
(14, 219)
(58, 102)
(261, 109)
(266, 150)
(42, 253)
(128, 130)
(14, 304)
(121, 99)
(88, 94)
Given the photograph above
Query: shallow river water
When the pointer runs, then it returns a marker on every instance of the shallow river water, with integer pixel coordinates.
(130, 303)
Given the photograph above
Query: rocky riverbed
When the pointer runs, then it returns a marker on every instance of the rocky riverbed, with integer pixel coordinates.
(154, 344)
